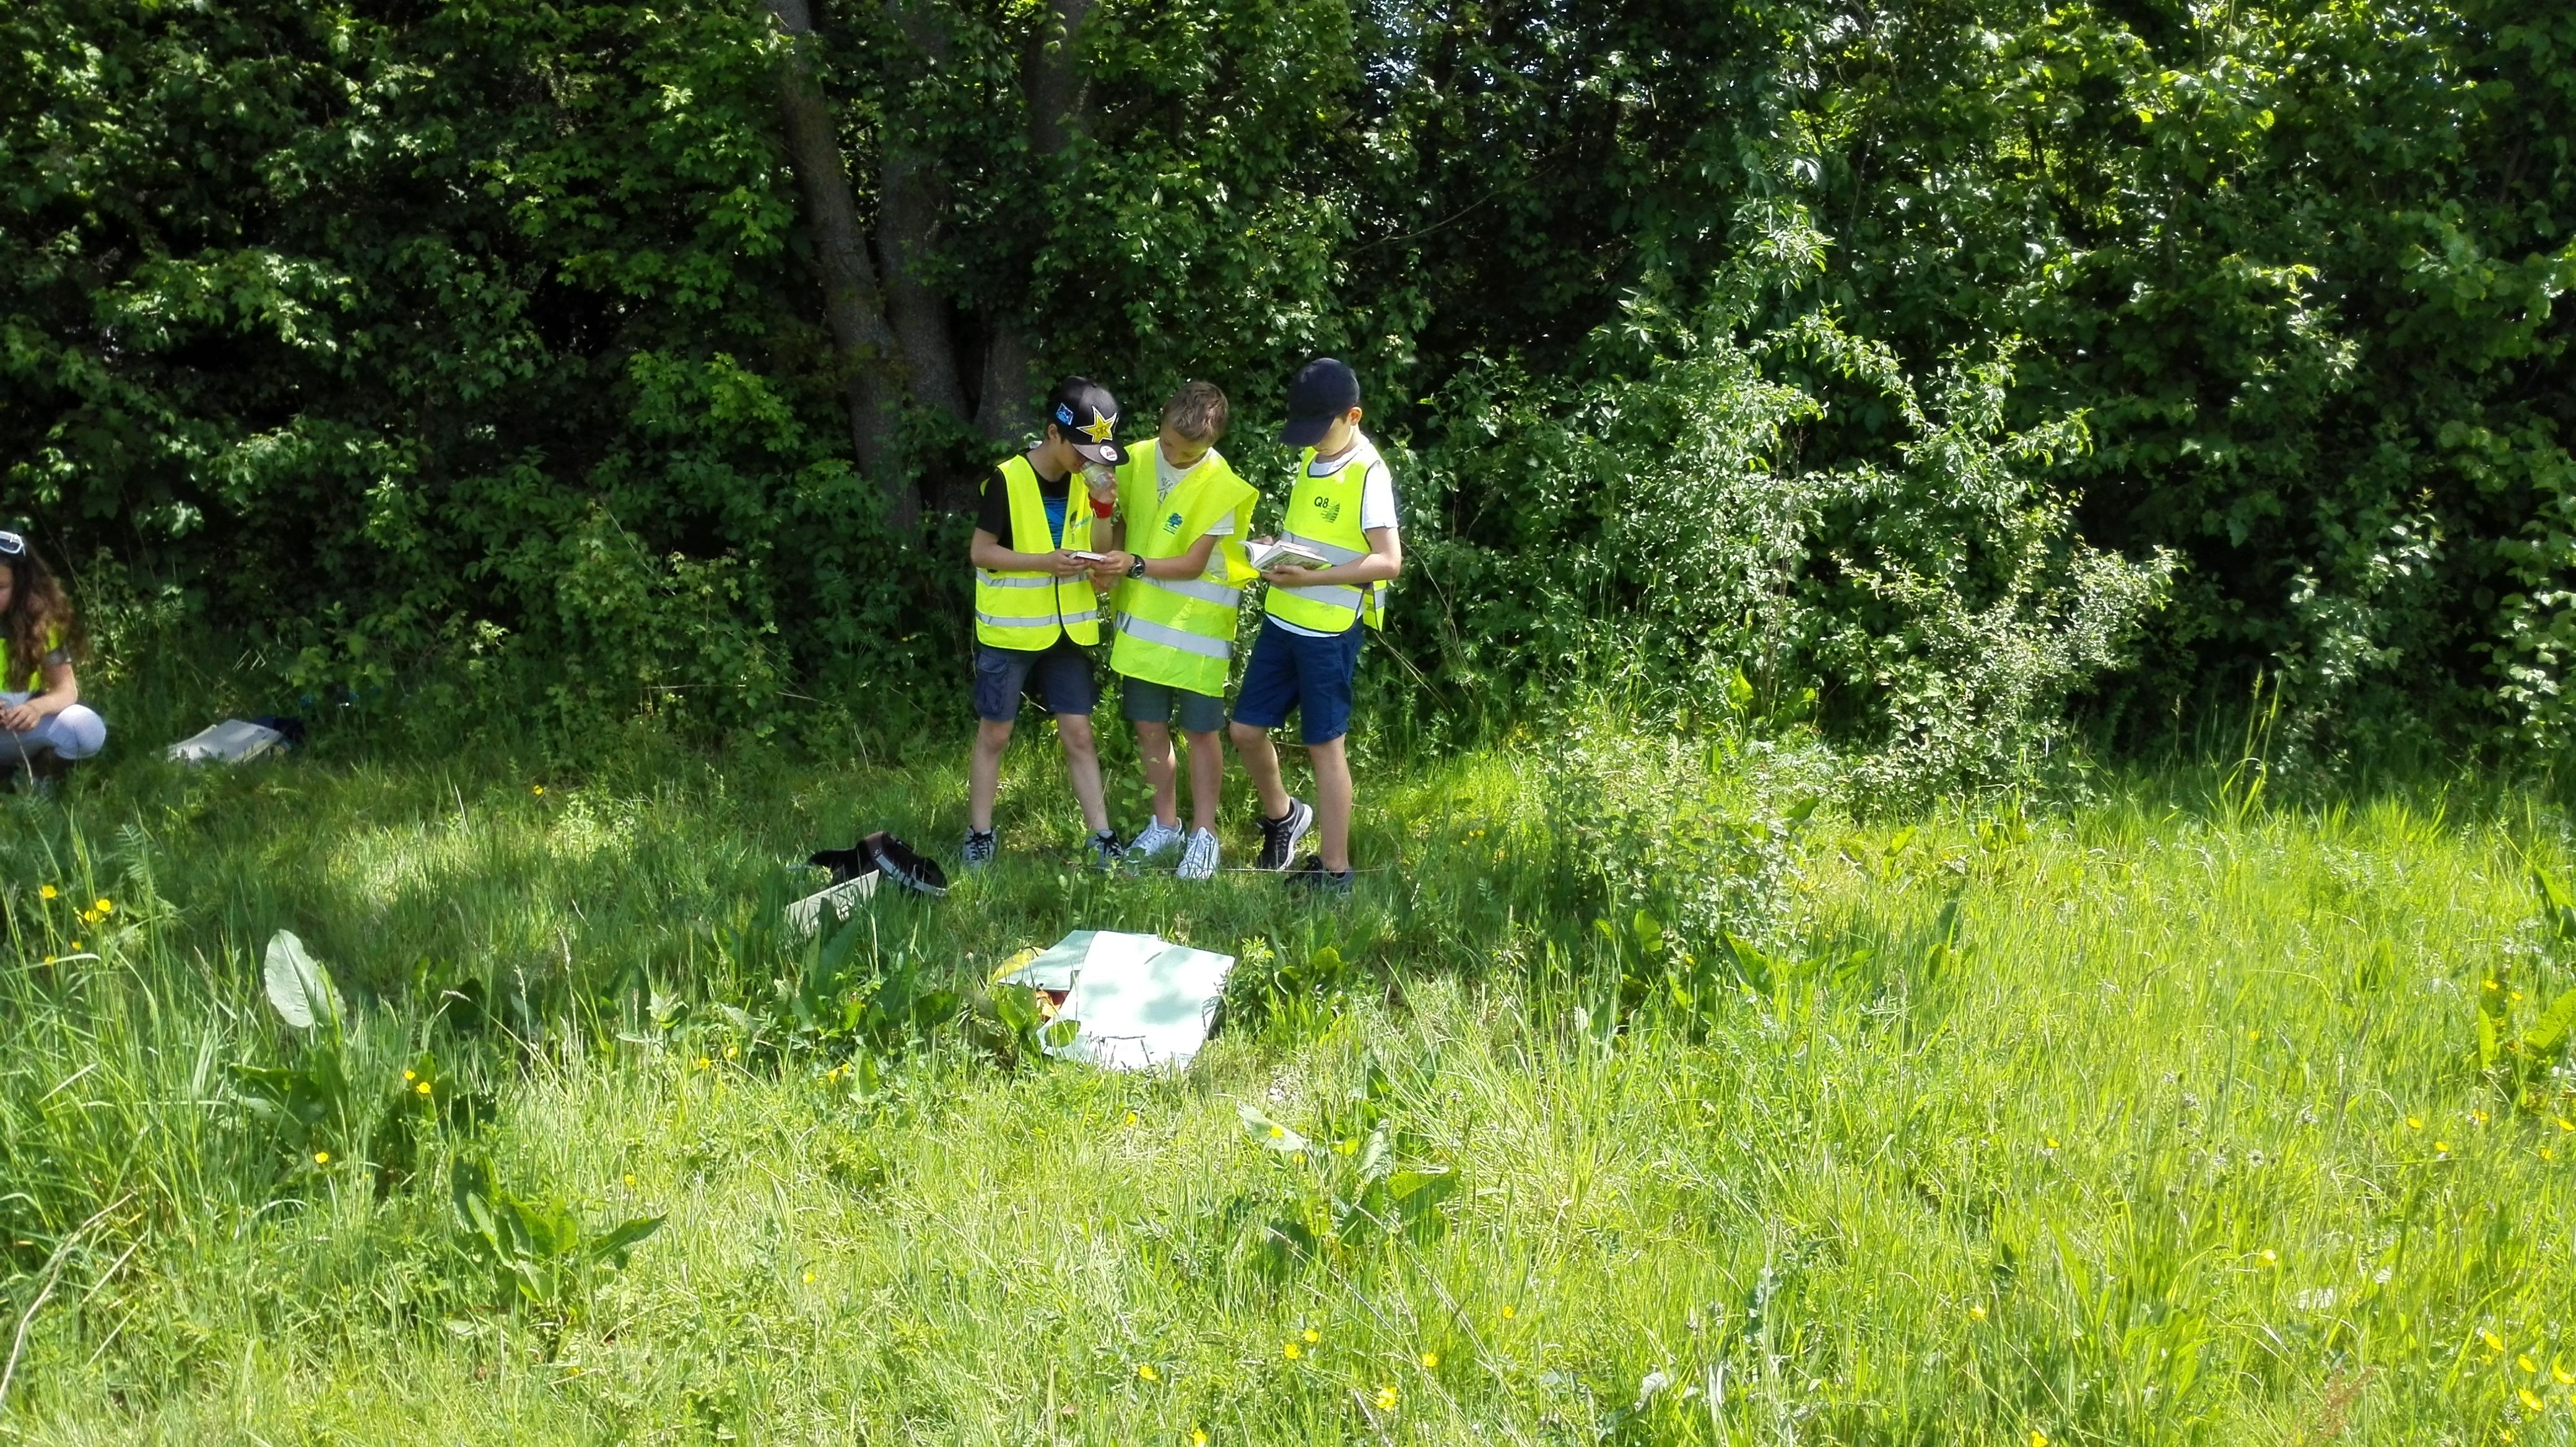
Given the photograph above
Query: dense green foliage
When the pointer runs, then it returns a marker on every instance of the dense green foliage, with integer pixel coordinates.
(478, 347)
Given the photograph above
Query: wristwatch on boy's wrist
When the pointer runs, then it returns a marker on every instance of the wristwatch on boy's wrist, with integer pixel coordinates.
(1136, 568)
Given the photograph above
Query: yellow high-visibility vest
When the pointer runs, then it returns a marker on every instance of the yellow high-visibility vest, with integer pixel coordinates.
(1324, 519)
(1029, 611)
(1180, 631)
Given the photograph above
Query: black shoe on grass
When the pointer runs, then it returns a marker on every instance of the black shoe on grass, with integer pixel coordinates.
(981, 845)
(1279, 837)
(1312, 875)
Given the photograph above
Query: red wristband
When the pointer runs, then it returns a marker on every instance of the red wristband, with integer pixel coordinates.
(1101, 509)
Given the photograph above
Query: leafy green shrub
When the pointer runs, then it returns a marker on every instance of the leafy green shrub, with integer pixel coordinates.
(539, 1256)
(1933, 602)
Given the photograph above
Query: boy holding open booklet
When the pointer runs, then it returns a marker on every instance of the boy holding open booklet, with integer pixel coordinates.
(1338, 548)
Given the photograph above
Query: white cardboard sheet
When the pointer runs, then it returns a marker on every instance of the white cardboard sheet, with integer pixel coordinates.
(1137, 1001)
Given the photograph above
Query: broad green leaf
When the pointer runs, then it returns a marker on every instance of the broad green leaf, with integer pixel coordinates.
(298, 986)
(2549, 1034)
(1270, 1132)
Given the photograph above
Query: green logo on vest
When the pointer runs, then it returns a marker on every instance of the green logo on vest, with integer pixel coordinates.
(1172, 524)
(1330, 507)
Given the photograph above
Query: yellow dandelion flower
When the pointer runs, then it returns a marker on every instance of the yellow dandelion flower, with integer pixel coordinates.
(2494, 1343)
(2442, 1147)
(321, 1158)
(407, 1075)
(704, 1062)
(105, 905)
(421, 1089)
(1292, 1352)
(49, 959)
(2038, 1438)
(1431, 1361)
(2052, 1141)
(2253, 1034)
(77, 945)
(2530, 1403)
(1145, 1372)
(630, 1178)
(1508, 1313)
(2560, 1374)
(2564, 1123)
(1311, 1336)
(1198, 1437)
(1386, 1399)
(537, 789)
(2492, 985)
(1976, 1313)
(731, 1052)
(2271, 1257)
(2479, 1116)
(1131, 1117)
(49, 892)
(2526, 1363)
(2414, 1122)
(809, 1278)
(1278, 1132)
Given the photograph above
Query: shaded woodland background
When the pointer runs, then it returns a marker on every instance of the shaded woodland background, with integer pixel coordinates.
(1947, 376)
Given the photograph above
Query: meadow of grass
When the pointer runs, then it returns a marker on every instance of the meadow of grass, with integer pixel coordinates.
(2157, 1118)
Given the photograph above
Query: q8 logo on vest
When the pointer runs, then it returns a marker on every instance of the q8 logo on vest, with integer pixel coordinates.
(1172, 524)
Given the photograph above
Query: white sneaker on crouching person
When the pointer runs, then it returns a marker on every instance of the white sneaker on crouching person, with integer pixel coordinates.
(1198, 861)
(1157, 839)
(981, 845)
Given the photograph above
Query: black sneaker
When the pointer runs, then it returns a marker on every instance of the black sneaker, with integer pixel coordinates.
(981, 845)
(1279, 837)
(1313, 875)
(1105, 849)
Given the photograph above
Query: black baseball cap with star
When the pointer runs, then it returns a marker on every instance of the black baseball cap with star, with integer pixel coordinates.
(1087, 416)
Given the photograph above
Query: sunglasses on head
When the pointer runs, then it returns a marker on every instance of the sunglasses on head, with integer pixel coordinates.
(12, 545)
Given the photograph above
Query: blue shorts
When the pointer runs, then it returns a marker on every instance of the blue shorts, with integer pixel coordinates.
(1310, 675)
(1057, 676)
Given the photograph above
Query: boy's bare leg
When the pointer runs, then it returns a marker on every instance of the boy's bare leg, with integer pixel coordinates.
(1332, 803)
(1154, 751)
(1082, 760)
(1207, 779)
(1261, 761)
(984, 773)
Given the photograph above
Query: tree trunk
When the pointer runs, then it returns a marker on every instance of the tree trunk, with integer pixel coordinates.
(871, 365)
(907, 229)
(1051, 77)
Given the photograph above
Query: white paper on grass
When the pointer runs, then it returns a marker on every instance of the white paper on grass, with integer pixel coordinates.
(1137, 1000)
(230, 742)
(804, 916)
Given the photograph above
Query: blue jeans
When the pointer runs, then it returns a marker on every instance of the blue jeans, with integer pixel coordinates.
(1312, 676)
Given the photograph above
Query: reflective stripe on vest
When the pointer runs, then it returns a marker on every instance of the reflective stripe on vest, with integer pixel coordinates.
(1030, 610)
(1199, 588)
(1131, 626)
(1324, 519)
(1179, 632)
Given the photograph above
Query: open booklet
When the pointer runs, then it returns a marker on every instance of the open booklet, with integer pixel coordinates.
(1265, 556)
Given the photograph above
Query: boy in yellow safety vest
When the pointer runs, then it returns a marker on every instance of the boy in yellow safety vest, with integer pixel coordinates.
(1182, 516)
(1342, 512)
(1036, 606)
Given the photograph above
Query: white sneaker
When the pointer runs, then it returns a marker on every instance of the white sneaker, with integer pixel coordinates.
(1158, 838)
(1198, 861)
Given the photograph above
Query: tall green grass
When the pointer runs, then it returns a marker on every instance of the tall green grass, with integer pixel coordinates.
(2157, 1119)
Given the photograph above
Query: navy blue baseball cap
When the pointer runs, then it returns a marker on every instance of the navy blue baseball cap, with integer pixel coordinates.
(1322, 393)
(1086, 415)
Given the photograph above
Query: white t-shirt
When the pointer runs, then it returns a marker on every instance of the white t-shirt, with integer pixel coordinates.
(1167, 477)
(1377, 501)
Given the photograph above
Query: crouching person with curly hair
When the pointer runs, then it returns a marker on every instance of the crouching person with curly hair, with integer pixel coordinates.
(44, 727)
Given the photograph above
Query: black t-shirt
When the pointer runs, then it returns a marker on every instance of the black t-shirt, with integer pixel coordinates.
(994, 514)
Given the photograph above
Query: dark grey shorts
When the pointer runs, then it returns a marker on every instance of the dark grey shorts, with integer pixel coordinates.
(1143, 701)
(1058, 677)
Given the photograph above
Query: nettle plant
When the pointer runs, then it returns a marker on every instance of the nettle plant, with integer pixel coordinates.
(1359, 1179)
(2524, 1040)
(339, 1098)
